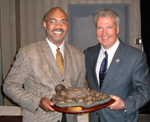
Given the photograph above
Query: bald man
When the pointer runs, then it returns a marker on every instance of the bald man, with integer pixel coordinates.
(32, 79)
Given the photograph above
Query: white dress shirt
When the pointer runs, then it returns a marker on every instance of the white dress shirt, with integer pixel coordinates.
(54, 48)
(111, 51)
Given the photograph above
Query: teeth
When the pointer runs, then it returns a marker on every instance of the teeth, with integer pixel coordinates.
(105, 37)
(57, 32)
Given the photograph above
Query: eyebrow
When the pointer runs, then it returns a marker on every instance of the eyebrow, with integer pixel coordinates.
(56, 19)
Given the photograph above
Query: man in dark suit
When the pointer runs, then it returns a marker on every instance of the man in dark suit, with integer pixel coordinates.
(126, 74)
(32, 80)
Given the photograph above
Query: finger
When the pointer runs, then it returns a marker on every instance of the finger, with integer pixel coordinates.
(51, 104)
(46, 104)
(52, 109)
(112, 96)
(48, 107)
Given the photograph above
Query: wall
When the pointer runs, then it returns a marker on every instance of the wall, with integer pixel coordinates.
(21, 24)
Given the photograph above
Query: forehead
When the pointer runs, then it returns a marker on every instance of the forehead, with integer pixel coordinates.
(57, 14)
(107, 19)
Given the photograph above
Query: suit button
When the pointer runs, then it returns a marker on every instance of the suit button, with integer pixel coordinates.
(97, 113)
(58, 121)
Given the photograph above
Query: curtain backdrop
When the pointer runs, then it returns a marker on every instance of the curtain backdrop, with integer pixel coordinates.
(21, 24)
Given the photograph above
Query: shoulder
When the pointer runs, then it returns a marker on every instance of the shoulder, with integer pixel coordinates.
(30, 48)
(130, 50)
(131, 53)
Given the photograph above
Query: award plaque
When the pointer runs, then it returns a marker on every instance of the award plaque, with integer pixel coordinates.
(77, 100)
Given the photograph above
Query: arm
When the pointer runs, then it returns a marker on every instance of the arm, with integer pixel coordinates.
(141, 84)
(14, 84)
(140, 88)
(81, 78)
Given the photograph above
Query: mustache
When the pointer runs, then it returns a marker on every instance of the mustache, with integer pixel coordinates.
(58, 29)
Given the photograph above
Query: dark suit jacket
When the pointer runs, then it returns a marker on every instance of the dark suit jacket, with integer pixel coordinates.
(35, 68)
(127, 77)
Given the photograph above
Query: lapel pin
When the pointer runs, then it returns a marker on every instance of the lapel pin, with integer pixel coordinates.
(117, 60)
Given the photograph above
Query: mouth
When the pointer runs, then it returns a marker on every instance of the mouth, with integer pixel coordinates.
(58, 31)
(105, 37)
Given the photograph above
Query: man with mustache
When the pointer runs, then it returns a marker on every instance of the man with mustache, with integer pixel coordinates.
(32, 80)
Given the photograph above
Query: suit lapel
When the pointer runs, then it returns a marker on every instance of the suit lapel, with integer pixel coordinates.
(51, 60)
(67, 59)
(113, 69)
(94, 58)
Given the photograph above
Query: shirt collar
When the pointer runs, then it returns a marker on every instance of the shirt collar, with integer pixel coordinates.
(54, 47)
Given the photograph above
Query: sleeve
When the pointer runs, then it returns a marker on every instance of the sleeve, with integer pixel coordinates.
(13, 86)
(81, 80)
(141, 86)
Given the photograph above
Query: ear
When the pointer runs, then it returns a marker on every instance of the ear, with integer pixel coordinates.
(44, 25)
(117, 29)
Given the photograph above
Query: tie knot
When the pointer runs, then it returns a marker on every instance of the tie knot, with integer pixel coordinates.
(58, 49)
(106, 54)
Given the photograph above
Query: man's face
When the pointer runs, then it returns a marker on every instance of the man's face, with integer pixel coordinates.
(56, 26)
(107, 31)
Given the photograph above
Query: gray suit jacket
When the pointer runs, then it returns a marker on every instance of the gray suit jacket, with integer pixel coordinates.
(127, 77)
(35, 74)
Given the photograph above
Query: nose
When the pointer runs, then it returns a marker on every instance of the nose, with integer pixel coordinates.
(58, 24)
(104, 32)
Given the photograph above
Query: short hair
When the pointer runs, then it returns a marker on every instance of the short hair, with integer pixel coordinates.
(106, 12)
(53, 9)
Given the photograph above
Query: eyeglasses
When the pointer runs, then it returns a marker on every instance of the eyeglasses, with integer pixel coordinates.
(55, 22)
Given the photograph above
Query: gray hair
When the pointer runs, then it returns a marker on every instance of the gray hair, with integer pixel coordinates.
(106, 12)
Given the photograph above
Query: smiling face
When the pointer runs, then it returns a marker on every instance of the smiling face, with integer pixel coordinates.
(56, 25)
(107, 31)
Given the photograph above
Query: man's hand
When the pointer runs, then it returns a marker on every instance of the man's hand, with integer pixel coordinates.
(46, 104)
(118, 104)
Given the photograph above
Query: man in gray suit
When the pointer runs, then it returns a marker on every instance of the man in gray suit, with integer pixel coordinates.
(127, 78)
(32, 80)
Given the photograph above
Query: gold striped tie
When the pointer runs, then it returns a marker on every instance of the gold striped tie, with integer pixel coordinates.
(59, 60)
